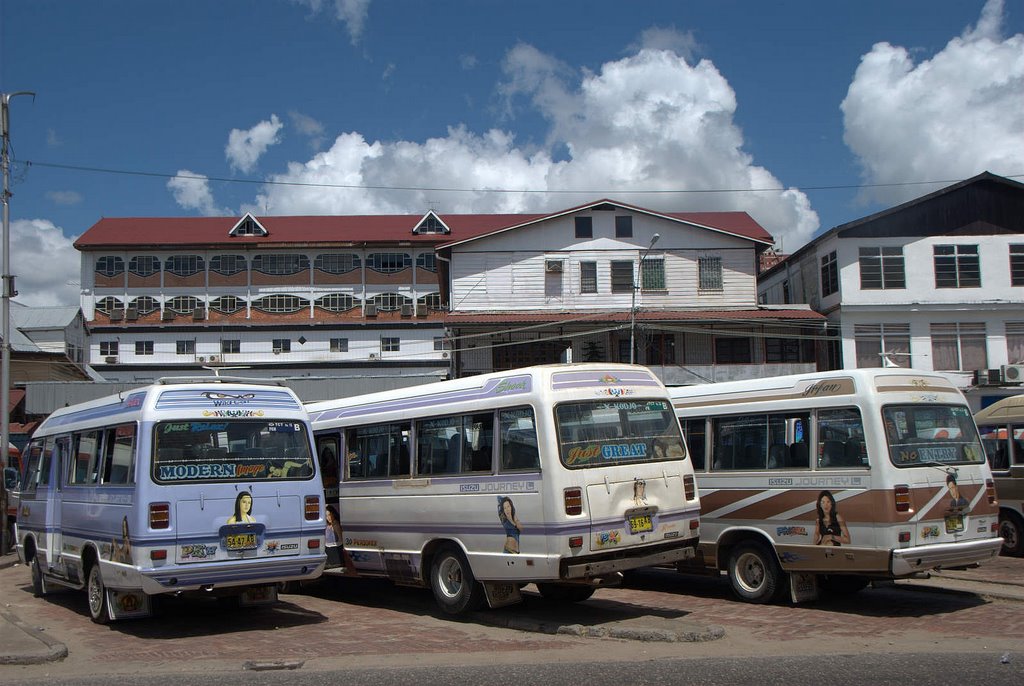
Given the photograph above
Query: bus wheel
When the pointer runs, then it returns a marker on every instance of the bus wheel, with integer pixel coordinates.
(1010, 528)
(565, 593)
(753, 572)
(843, 584)
(99, 609)
(455, 588)
(38, 584)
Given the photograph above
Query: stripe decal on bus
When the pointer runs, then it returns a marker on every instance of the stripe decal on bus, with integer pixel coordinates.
(205, 399)
(130, 404)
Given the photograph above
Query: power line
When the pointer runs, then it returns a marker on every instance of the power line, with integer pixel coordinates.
(441, 189)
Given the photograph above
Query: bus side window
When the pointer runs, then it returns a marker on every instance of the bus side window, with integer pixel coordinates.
(518, 440)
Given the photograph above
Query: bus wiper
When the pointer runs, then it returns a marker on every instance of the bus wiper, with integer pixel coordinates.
(948, 469)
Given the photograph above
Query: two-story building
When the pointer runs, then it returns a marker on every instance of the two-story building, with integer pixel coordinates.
(437, 293)
(936, 283)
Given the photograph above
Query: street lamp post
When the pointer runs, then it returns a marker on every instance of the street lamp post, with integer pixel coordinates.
(632, 307)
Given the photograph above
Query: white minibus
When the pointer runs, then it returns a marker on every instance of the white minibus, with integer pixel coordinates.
(1002, 433)
(204, 485)
(836, 478)
(560, 475)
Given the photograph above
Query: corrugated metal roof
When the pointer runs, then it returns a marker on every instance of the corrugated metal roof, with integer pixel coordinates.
(43, 317)
(540, 316)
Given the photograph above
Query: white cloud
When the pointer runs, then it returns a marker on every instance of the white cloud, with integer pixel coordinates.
(58, 283)
(682, 43)
(350, 12)
(309, 127)
(468, 62)
(647, 121)
(52, 140)
(192, 192)
(948, 117)
(245, 148)
(64, 197)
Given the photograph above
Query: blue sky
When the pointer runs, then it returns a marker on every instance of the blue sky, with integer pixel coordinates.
(341, 102)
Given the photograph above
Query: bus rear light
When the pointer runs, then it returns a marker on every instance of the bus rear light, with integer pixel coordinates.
(689, 489)
(157, 555)
(995, 527)
(990, 491)
(902, 493)
(159, 515)
(312, 508)
(574, 501)
(694, 524)
(313, 544)
(904, 537)
(575, 541)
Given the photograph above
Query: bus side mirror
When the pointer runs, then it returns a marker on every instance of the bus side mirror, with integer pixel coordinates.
(10, 478)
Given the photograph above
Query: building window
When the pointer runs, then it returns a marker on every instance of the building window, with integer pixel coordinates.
(249, 227)
(1017, 265)
(108, 304)
(584, 227)
(882, 268)
(185, 347)
(227, 265)
(145, 304)
(281, 345)
(279, 303)
(829, 274)
(337, 263)
(957, 266)
(432, 301)
(624, 227)
(661, 349)
(339, 345)
(280, 265)
(785, 292)
(709, 273)
(227, 304)
(876, 343)
(108, 348)
(788, 349)
(652, 274)
(732, 350)
(588, 277)
(622, 276)
(143, 347)
(959, 347)
(430, 224)
(336, 302)
(109, 265)
(184, 265)
(1015, 342)
(390, 302)
(388, 262)
(230, 346)
(182, 304)
(389, 344)
(428, 261)
(144, 265)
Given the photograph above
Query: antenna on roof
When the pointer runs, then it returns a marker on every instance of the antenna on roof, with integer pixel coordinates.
(217, 370)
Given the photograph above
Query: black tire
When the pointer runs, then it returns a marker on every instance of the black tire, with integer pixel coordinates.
(38, 583)
(1011, 528)
(288, 587)
(754, 573)
(455, 588)
(843, 584)
(96, 594)
(565, 593)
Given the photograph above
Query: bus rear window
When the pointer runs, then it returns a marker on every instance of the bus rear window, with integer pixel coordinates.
(601, 434)
(931, 434)
(191, 451)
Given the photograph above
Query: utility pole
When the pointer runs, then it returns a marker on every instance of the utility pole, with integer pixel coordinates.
(632, 307)
(5, 312)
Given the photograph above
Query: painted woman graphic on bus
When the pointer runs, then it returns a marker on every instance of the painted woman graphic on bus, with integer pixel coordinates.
(831, 527)
(507, 517)
(243, 509)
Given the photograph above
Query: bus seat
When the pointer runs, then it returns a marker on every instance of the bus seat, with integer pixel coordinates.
(798, 457)
(778, 457)
(832, 453)
(752, 458)
(403, 461)
(453, 465)
(168, 454)
(851, 453)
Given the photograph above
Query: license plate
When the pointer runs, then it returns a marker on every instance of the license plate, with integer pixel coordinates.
(954, 523)
(640, 523)
(240, 542)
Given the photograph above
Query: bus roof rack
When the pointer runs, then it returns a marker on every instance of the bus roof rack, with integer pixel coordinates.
(166, 380)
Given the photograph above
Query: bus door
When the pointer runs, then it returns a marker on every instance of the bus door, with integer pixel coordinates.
(58, 461)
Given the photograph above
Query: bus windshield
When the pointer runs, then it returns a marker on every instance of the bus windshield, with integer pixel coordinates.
(928, 434)
(600, 434)
(230, 450)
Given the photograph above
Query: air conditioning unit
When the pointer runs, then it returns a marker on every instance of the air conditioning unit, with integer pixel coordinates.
(988, 377)
(110, 359)
(167, 316)
(421, 310)
(406, 310)
(374, 356)
(199, 313)
(202, 359)
(116, 314)
(553, 266)
(1013, 373)
(445, 355)
(131, 314)
(214, 358)
(370, 309)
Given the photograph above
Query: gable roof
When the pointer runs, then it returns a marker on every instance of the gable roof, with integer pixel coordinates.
(168, 232)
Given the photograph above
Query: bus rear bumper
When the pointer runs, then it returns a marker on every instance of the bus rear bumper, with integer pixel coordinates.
(907, 561)
(600, 565)
(210, 576)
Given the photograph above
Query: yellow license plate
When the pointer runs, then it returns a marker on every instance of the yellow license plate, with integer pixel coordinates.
(640, 523)
(241, 542)
(954, 523)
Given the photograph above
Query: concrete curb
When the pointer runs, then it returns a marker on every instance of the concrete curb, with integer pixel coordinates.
(53, 650)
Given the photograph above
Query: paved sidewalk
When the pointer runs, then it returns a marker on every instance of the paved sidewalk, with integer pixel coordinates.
(21, 644)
